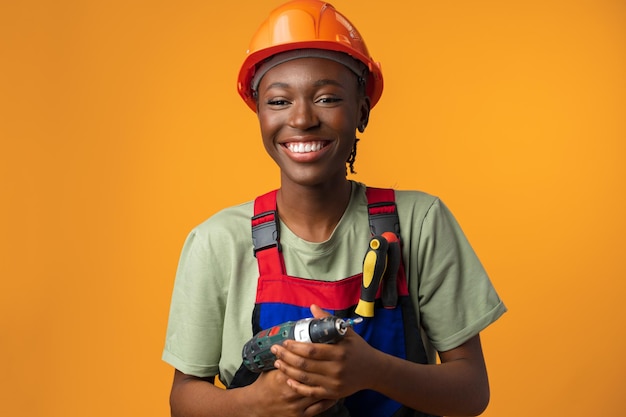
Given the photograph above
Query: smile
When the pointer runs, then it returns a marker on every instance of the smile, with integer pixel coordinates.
(306, 147)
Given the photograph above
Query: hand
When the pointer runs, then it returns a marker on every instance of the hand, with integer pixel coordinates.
(326, 371)
(275, 398)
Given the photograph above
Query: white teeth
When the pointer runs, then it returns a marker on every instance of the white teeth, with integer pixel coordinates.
(305, 147)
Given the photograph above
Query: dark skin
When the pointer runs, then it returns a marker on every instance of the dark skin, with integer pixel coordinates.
(309, 111)
(319, 109)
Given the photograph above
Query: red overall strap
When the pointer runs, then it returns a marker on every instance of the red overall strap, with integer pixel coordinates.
(383, 217)
(266, 236)
(382, 211)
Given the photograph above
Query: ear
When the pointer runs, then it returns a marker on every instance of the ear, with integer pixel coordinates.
(364, 114)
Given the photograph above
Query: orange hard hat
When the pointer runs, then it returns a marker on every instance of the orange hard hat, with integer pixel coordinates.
(307, 24)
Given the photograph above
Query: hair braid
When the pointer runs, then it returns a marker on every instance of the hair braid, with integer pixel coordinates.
(352, 157)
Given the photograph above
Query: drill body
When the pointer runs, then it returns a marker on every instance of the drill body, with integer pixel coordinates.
(256, 353)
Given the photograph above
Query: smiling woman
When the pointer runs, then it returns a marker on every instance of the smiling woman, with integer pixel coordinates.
(121, 127)
(310, 79)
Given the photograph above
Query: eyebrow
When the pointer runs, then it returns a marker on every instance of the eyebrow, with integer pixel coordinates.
(277, 85)
(323, 82)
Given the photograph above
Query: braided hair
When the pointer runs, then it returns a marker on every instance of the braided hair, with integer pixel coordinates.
(352, 157)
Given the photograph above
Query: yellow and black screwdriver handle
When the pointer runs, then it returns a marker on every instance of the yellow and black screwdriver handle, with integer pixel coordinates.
(374, 265)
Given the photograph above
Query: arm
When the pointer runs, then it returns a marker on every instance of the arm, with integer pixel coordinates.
(269, 396)
(457, 386)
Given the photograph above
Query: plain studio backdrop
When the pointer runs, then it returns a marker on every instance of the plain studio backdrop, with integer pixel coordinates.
(121, 129)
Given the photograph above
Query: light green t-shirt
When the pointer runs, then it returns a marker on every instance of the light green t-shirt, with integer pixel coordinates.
(216, 280)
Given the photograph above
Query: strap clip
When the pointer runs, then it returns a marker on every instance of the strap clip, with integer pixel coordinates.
(383, 217)
(265, 232)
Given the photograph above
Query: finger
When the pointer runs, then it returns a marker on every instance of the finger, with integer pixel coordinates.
(297, 352)
(316, 352)
(299, 357)
(305, 390)
(296, 367)
(312, 390)
(318, 312)
(311, 378)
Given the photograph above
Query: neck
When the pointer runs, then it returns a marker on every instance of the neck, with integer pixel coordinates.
(312, 213)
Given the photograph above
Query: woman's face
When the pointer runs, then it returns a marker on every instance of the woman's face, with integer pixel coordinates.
(309, 110)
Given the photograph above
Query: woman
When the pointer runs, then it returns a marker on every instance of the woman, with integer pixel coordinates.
(311, 81)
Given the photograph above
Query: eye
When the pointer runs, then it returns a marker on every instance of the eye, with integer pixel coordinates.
(328, 100)
(277, 102)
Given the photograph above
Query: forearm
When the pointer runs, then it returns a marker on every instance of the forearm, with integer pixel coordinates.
(268, 396)
(457, 387)
(195, 397)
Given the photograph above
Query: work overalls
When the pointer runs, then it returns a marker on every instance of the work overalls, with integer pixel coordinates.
(282, 298)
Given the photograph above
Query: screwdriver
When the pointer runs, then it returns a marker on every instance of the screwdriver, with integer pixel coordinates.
(374, 265)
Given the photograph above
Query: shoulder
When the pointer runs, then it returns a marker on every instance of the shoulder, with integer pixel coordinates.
(216, 246)
(227, 227)
(411, 203)
(423, 206)
(225, 219)
(423, 215)
(416, 200)
(404, 197)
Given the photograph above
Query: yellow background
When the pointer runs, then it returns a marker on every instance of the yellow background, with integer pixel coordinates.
(121, 129)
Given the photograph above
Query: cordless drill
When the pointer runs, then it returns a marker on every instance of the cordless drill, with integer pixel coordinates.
(256, 352)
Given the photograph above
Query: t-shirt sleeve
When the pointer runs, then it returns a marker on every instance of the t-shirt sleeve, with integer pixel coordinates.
(456, 297)
(193, 338)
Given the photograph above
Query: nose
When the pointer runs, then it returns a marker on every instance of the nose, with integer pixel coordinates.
(303, 115)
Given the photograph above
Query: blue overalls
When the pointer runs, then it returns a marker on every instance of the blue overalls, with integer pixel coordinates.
(282, 298)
